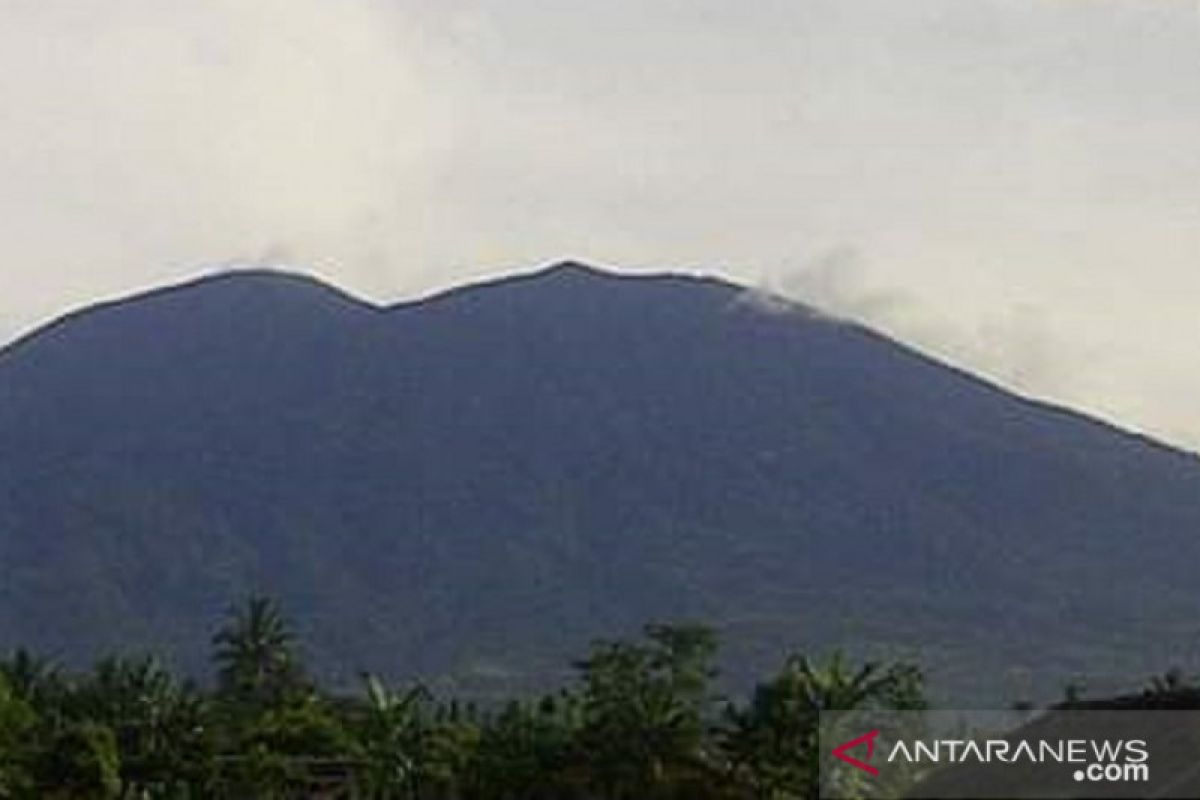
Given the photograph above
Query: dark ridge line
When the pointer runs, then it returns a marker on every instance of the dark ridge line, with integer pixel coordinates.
(302, 279)
(577, 270)
(296, 278)
(569, 270)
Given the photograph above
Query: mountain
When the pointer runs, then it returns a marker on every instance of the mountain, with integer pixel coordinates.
(477, 484)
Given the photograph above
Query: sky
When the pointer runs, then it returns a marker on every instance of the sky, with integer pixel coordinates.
(1011, 185)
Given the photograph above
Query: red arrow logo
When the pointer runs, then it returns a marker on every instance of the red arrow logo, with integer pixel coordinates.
(869, 741)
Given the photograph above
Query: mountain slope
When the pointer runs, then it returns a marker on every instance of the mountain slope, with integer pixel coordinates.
(480, 482)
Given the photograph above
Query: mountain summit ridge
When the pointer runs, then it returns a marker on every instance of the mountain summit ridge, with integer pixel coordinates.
(293, 284)
(500, 472)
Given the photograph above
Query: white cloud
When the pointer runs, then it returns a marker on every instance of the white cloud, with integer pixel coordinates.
(1019, 179)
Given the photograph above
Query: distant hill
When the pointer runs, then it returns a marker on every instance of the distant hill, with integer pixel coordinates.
(479, 483)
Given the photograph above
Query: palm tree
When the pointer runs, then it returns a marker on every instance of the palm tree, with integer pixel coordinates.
(772, 744)
(836, 686)
(258, 667)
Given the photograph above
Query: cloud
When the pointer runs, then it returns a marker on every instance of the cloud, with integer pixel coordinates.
(1019, 178)
(155, 137)
(1018, 344)
(837, 281)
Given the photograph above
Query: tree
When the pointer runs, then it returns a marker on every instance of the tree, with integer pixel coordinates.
(390, 737)
(643, 722)
(31, 678)
(160, 727)
(527, 750)
(272, 753)
(645, 707)
(771, 745)
(17, 721)
(258, 666)
(81, 761)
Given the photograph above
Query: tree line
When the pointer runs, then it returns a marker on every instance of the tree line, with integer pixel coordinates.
(641, 720)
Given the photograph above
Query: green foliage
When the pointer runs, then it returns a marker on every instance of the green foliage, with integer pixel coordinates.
(391, 736)
(257, 663)
(161, 727)
(642, 721)
(645, 706)
(1173, 681)
(269, 753)
(33, 679)
(16, 722)
(771, 745)
(527, 750)
(83, 760)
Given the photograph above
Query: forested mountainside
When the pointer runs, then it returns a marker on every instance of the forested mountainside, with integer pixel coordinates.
(476, 484)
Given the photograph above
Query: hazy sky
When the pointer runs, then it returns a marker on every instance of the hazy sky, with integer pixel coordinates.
(1013, 184)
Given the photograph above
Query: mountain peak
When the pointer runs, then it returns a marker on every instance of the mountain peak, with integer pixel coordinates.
(570, 272)
(217, 301)
(579, 274)
(263, 280)
(575, 269)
